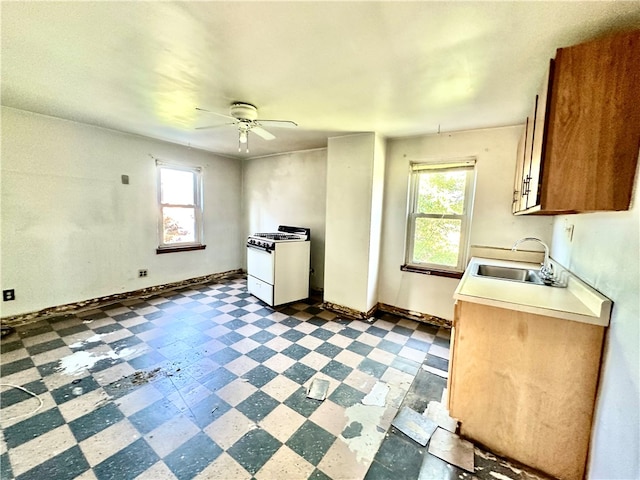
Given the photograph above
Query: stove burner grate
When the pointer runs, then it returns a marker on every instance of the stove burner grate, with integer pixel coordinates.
(277, 236)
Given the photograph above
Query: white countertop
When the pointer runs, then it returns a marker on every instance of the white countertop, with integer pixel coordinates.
(577, 302)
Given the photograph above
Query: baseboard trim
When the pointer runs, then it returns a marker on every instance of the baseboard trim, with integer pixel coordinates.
(349, 312)
(417, 316)
(76, 307)
(383, 307)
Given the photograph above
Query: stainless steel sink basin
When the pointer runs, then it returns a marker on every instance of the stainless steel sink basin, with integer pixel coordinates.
(522, 275)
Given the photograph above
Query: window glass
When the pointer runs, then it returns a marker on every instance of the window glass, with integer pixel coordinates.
(439, 215)
(437, 241)
(180, 206)
(441, 192)
(179, 225)
(176, 187)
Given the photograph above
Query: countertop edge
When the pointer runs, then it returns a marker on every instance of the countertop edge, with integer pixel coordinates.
(575, 317)
(591, 299)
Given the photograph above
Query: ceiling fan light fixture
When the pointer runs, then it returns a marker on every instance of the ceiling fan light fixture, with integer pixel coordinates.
(243, 139)
(245, 117)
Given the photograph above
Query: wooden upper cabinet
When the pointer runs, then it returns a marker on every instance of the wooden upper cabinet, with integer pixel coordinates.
(518, 185)
(586, 134)
(537, 148)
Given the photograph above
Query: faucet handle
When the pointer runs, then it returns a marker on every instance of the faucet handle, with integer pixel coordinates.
(546, 272)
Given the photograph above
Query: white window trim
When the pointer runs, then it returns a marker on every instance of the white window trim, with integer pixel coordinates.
(199, 228)
(467, 163)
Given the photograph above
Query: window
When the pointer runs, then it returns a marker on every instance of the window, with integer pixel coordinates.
(180, 204)
(440, 201)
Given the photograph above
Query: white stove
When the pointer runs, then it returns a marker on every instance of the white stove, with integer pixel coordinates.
(278, 265)
(284, 234)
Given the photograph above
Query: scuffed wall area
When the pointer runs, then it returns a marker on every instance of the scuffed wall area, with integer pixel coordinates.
(605, 253)
(492, 223)
(288, 189)
(72, 231)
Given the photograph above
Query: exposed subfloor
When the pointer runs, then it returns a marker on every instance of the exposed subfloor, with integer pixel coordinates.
(209, 382)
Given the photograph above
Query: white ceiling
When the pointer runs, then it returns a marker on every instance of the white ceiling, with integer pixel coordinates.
(396, 68)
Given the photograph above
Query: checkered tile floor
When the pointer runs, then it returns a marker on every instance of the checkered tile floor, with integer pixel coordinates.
(204, 382)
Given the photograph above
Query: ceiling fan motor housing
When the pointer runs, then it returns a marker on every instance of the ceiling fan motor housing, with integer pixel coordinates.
(244, 111)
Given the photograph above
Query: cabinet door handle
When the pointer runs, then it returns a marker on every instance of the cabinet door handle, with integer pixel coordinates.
(525, 185)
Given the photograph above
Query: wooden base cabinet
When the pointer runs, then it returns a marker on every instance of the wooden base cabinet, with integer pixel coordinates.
(524, 385)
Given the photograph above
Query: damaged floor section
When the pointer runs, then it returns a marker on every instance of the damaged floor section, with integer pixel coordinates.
(415, 449)
(209, 382)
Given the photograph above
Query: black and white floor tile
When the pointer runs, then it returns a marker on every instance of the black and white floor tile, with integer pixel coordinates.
(209, 382)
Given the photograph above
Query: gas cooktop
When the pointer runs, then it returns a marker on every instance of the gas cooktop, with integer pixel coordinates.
(278, 236)
(284, 234)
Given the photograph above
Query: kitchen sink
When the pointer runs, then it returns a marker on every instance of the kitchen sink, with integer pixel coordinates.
(522, 275)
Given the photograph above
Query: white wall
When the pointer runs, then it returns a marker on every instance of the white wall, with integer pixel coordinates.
(72, 231)
(288, 189)
(350, 199)
(492, 223)
(377, 201)
(605, 254)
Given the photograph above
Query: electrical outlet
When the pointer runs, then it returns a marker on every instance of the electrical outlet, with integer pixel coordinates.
(142, 273)
(8, 295)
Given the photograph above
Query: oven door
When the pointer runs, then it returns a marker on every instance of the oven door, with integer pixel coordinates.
(261, 264)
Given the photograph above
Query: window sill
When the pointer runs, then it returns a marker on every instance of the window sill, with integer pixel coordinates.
(431, 271)
(160, 250)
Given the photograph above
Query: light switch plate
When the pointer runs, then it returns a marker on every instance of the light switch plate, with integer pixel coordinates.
(568, 229)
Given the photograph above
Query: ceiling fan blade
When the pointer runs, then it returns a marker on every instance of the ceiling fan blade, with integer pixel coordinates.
(278, 123)
(262, 133)
(215, 126)
(215, 113)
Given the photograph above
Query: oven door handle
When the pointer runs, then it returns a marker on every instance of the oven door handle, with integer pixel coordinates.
(262, 249)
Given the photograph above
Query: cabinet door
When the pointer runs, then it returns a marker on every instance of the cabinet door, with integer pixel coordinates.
(538, 141)
(594, 126)
(526, 160)
(519, 178)
(524, 385)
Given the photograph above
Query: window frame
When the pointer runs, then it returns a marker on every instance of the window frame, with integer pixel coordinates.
(197, 244)
(415, 170)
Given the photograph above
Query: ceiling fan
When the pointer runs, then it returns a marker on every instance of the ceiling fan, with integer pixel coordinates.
(245, 117)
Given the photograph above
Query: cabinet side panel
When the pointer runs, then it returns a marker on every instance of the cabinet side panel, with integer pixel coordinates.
(525, 386)
(594, 127)
(451, 383)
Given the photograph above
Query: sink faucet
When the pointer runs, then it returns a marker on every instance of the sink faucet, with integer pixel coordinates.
(546, 270)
